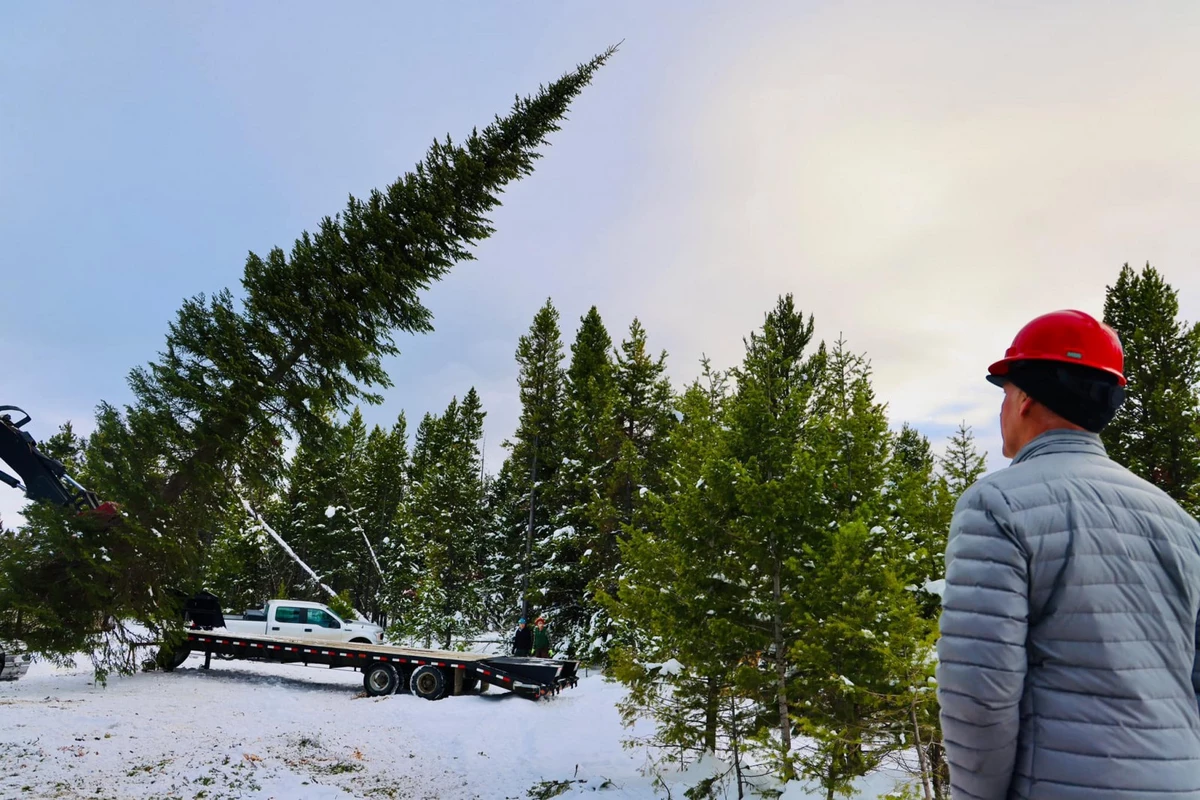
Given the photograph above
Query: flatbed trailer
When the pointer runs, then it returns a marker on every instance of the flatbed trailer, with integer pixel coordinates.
(432, 674)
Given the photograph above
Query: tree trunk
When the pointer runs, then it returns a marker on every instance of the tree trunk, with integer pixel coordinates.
(735, 742)
(941, 780)
(711, 710)
(921, 754)
(529, 530)
(785, 723)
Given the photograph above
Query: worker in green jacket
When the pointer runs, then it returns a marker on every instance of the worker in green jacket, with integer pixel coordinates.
(541, 640)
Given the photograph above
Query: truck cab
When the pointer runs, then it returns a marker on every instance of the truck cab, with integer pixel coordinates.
(303, 619)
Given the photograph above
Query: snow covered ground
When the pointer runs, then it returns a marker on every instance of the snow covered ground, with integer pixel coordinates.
(253, 730)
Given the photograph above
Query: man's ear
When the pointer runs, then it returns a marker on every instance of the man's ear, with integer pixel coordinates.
(1027, 404)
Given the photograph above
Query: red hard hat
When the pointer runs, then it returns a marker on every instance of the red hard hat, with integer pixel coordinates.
(1069, 336)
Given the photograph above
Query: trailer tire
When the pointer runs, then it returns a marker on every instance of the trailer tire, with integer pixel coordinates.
(428, 681)
(380, 679)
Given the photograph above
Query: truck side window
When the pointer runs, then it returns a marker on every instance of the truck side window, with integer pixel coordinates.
(317, 616)
(289, 614)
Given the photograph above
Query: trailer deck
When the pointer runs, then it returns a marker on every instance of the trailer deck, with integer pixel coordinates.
(386, 669)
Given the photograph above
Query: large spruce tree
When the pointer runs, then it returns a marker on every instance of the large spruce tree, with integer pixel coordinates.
(1156, 433)
(236, 379)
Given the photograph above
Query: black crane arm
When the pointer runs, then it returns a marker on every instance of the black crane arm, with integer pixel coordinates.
(42, 478)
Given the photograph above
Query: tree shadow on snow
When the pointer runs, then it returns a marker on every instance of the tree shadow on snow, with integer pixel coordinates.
(303, 682)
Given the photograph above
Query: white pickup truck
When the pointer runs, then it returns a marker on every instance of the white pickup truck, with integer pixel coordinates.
(301, 619)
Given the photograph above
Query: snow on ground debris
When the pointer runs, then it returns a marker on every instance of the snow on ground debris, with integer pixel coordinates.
(257, 730)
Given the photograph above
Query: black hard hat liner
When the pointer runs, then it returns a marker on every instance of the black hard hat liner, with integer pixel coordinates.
(1087, 397)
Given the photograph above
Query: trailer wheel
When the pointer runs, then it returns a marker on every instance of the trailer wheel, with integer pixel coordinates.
(380, 679)
(428, 682)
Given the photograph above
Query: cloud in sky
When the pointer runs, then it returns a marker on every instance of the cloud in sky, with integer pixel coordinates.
(923, 178)
(926, 182)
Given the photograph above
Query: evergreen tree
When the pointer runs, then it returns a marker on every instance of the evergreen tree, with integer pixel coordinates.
(786, 568)
(1156, 433)
(851, 593)
(644, 415)
(445, 523)
(677, 594)
(232, 383)
(963, 463)
(73, 583)
(918, 507)
(402, 554)
(246, 566)
(569, 560)
(775, 480)
(328, 460)
(506, 524)
(377, 503)
(869, 643)
(924, 502)
(536, 450)
(857, 432)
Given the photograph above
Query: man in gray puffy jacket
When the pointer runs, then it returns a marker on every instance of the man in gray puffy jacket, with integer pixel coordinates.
(1068, 652)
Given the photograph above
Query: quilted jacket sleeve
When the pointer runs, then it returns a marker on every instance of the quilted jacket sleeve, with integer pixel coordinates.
(1196, 665)
(981, 652)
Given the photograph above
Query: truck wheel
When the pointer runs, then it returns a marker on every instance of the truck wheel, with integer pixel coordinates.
(360, 640)
(428, 682)
(380, 679)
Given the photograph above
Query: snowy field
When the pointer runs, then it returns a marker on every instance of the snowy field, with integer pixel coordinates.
(254, 730)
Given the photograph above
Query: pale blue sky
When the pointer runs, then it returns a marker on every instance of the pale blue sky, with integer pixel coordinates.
(925, 177)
